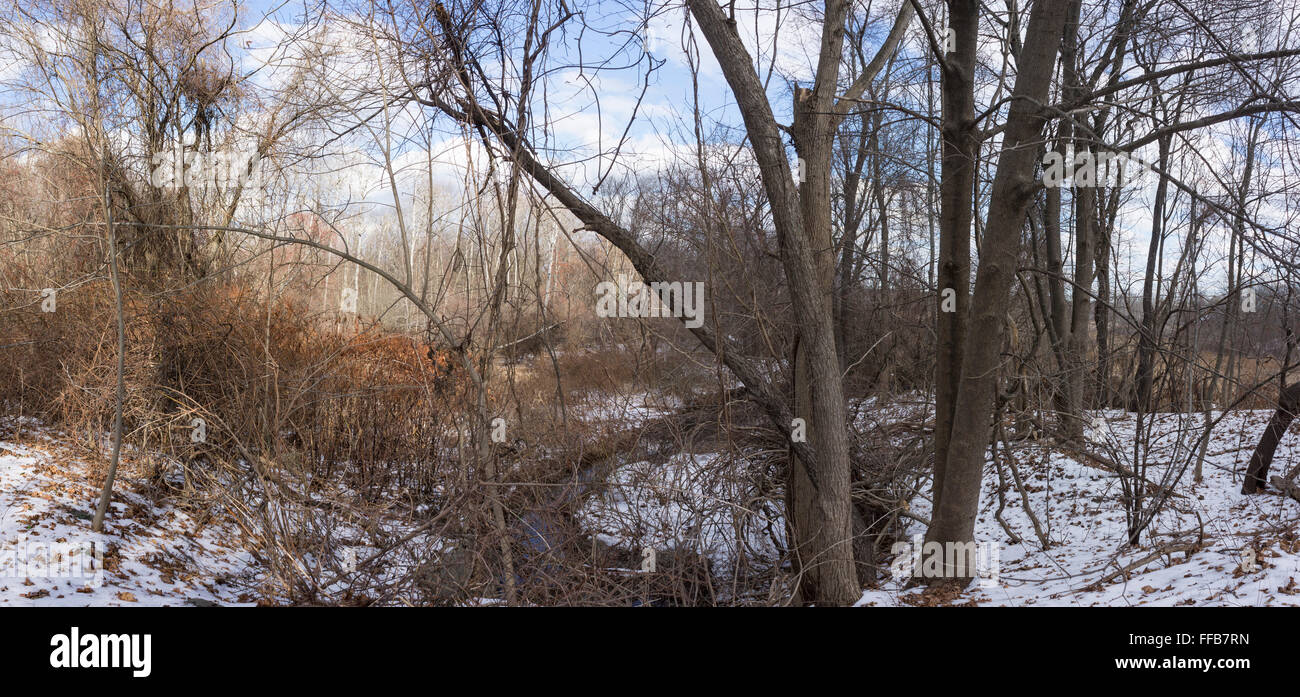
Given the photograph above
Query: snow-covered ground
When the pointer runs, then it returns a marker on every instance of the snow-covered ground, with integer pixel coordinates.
(1251, 550)
(1243, 550)
(146, 555)
(1231, 549)
(626, 410)
(700, 503)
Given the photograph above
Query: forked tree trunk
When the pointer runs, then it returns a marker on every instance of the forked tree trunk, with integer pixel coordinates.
(1014, 186)
(818, 488)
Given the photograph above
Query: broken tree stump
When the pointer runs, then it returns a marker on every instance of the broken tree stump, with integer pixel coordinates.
(1257, 471)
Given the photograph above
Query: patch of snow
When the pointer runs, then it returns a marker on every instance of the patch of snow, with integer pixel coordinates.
(1251, 549)
(146, 555)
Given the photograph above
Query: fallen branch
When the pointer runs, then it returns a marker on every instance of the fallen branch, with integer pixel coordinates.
(1123, 571)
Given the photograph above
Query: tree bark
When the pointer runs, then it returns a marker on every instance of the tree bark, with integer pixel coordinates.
(1288, 404)
(1013, 188)
(956, 206)
(822, 514)
(1071, 332)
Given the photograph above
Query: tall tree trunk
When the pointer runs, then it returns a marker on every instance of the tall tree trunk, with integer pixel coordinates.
(1014, 187)
(1071, 331)
(1079, 342)
(1147, 339)
(956, 206)
(1101, 315)
(818, 488)
(822, 515)
(855, 210)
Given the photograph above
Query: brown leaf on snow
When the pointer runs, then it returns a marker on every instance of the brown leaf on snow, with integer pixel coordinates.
(126, 596)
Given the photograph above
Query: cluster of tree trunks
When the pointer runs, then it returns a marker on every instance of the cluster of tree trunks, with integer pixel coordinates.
(965, 403)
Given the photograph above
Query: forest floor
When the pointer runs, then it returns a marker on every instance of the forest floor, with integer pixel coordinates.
(147, 554)
(1209, 545)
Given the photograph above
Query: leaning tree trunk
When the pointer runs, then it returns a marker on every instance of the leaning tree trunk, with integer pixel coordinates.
(1257, 471)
